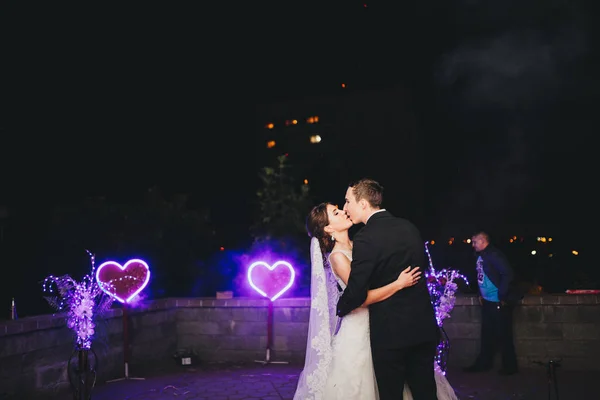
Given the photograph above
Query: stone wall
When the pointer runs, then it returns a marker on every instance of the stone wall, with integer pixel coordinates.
(546, 327)
(236, 329)
(34, 351)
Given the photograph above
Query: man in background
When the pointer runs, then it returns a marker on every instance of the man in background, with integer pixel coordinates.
(497, 298)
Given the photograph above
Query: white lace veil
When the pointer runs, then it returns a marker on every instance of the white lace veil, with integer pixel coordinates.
(321, 326)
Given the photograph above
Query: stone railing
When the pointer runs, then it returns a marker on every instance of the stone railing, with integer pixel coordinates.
(546, 327)
(34, 351)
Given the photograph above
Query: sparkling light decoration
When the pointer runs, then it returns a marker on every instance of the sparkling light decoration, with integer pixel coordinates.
(442, 289)
(82, 301)
(269, 280)
(123, 282)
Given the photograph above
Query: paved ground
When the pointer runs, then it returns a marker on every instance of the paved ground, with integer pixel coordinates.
(278, 382)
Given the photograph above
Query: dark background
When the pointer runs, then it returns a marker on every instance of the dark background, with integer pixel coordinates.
(113, 100)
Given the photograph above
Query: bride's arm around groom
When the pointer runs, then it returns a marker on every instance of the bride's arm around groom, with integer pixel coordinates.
(358, 280)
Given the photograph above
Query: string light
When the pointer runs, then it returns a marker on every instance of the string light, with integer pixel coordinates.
(81, 300)
(123, 282)
(442, 288)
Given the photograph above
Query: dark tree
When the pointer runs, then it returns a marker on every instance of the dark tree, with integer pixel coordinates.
(283, 203)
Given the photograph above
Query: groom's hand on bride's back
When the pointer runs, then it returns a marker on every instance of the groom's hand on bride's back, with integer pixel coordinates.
(409, 277)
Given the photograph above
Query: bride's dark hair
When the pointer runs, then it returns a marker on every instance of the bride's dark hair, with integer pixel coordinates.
(316, 222)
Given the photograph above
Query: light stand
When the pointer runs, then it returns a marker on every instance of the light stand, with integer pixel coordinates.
(267, 359)
(126, 349)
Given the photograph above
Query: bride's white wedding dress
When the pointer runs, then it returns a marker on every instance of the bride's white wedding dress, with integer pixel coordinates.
(351, 375)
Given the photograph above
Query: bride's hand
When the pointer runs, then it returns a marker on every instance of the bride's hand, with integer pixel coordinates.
(409, 277)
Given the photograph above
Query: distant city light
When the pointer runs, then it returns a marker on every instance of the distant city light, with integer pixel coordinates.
(270, 144)
(270, 126)
(533, 252)
(575, 252)
(312, 120)
(306, 181)
(294, 122)
(315, 139)
(343, 85)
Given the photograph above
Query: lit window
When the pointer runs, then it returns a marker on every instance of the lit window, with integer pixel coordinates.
(270, 144)
(270, 126)
(315, 139)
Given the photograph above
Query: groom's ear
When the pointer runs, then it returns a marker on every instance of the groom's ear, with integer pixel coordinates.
(363, 203)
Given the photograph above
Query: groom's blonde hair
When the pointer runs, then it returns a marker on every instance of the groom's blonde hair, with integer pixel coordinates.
(369, 190)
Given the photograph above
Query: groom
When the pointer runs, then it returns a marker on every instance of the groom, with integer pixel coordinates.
(404, 332)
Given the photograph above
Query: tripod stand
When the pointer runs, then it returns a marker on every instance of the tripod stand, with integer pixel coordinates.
(551, 375)
(126, 349)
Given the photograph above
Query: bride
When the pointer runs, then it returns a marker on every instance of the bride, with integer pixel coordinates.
(338, 362)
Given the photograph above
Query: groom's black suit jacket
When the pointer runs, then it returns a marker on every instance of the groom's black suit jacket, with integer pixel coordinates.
(382, 249)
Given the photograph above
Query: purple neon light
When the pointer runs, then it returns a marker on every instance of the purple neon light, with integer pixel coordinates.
(272, 268)
(110, 287)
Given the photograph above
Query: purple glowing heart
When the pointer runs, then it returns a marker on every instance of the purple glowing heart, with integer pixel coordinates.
(271, 281)
(123, 282)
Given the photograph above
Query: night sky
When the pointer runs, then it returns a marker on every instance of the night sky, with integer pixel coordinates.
(114, 100)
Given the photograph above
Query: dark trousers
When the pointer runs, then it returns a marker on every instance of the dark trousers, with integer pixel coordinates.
(497, 334)
(412, 365)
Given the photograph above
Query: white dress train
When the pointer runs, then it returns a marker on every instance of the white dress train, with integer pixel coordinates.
(351, 374)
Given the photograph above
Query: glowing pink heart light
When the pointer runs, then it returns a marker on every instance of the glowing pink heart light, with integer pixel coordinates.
(271, 281)
(123, 282)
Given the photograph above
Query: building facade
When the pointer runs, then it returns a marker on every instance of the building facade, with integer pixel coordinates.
(334, 139)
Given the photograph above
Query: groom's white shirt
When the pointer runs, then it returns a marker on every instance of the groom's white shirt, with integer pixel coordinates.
(383, 209)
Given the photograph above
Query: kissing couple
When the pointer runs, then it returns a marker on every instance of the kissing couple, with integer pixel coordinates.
(377, 339)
